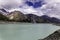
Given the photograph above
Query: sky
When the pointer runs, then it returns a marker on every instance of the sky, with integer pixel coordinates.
(16, 3)
(29, 8)
(20, 2)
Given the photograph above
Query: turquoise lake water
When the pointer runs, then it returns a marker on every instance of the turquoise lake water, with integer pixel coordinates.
(26, 31)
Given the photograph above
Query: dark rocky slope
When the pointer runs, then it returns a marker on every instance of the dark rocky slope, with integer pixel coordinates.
(3, 18)
(20, 17)
(53, 36)
(35, 19)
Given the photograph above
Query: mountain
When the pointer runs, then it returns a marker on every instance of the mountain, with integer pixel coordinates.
(16, 16)
(3, 10)
(3, 17)
(21, 17)
(53, 36)
(42, 19)
(52, 9)
(51, 19)
(31, 18)
(35, 19)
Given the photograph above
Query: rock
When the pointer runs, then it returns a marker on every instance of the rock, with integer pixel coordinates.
(35, 19)
(53, 36)
(55, 20)
(3, 17)
(3, 10)
(31, 18)
(16, 16)
(50, 19)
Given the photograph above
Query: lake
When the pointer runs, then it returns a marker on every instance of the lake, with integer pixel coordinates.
(26, 31)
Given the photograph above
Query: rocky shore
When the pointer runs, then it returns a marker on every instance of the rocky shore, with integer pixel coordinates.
(53, 36)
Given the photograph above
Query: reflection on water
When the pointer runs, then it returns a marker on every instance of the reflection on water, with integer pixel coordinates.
(26, 31)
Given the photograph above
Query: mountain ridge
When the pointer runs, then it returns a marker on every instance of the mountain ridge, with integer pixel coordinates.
(31, 17)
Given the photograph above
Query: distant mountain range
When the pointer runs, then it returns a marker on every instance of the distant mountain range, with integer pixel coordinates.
(31, 18)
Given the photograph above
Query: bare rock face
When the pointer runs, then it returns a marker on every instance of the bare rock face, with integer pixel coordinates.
(3, 17)
(37, 19)
(34, 18)
(20, 17)
(31, 18)
(53, 36)
(16, 16)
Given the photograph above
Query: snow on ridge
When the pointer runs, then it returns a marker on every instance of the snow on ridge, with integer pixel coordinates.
(28, 10)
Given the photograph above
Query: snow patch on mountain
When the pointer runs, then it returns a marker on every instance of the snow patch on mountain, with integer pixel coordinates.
(27, 11)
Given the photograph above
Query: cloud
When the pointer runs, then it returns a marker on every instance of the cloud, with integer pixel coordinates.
(51, 1)
(11, 5)
(16, 3)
